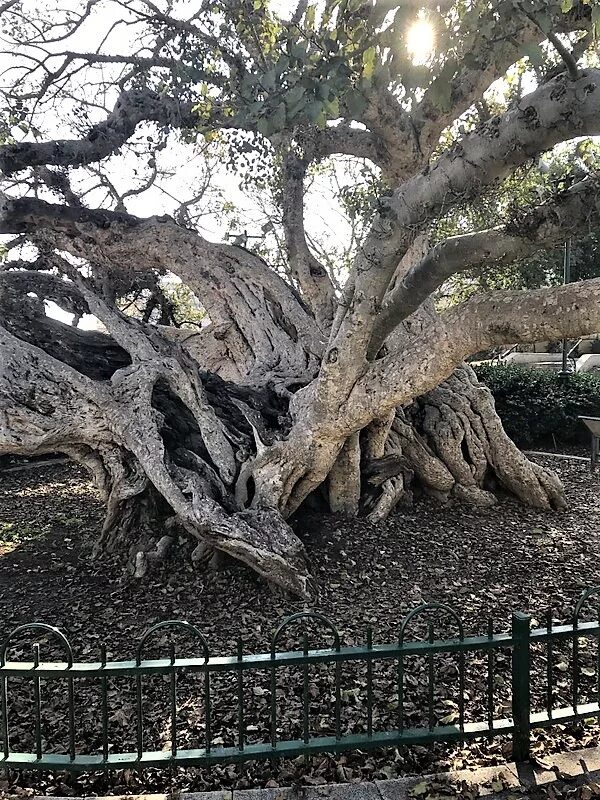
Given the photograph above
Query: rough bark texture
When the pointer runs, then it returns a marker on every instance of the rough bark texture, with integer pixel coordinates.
(459, 424)
(291, 392)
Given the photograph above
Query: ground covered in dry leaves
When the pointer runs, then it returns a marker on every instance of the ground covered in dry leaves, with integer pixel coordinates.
(484, 562)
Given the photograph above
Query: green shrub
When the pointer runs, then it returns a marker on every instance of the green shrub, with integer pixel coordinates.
(535, 405)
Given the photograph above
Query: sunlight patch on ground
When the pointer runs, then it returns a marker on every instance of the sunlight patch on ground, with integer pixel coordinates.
(49, 488)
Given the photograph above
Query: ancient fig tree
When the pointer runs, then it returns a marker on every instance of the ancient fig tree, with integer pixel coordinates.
(306, 373)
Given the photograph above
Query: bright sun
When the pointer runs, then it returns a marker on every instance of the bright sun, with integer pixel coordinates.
(420, 41)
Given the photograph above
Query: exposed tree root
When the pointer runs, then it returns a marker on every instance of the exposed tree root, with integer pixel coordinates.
(178, 451)
(453, 442)
(344, 479)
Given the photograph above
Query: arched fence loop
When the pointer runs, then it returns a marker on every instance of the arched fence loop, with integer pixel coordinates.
(187, 627)
(37, 711)
(178, 624)
(37, 626)
(424, 608)
(584, 597)
(306, 615)
(427, 609)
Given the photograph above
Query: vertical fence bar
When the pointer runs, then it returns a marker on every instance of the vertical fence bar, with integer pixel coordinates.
(549, 667)
(338, 695)
(575, 664)
(140, 714)
(104, 701)
(37, 703)
(5, 740)
(240, 695)
(173, 701)
(369, 683)
(490, 680)
(71, 702)
(430, 678)
(207, 707)
(400, 684)
(461, 688)
(521, 673)
(305, 735)
(598, 665)
(273, 701)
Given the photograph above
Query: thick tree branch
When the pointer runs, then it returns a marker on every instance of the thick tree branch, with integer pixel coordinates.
(394, 127)
(556, 111)
(132, 108)
(344, 140)
(45, 286)
(429, 357)
(259, 316)
(312, 276)
(48, 406)
(572, 211)
(489, 58)
(557, 312)
(400, 142)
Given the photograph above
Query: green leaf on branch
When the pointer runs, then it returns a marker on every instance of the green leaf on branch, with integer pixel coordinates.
(278, 118)
(368, 60)
(441, 95)
(268, 80)
(263, 125)
(545, 22)
(440, 90)
(535, 54)
(316, 113)
(295, 100)
(355, 102)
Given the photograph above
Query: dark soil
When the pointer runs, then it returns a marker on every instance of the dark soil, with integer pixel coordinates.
(484, 562)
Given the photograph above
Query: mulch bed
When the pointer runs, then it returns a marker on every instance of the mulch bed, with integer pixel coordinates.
(484, 562)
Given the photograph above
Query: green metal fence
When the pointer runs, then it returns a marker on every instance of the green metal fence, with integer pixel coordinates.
(522, 644)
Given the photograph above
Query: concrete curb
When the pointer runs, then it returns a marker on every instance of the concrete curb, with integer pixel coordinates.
(494, 783)
(564, 456)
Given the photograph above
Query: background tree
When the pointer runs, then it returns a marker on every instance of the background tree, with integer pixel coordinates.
(554, 173)
(296, 390)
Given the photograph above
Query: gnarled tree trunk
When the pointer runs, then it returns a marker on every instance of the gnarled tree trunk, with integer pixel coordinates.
(294, 390)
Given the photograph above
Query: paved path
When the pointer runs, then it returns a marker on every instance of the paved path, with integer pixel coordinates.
(494, 783)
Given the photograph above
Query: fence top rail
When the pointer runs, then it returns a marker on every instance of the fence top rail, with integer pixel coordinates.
(206, 663)
(565, 631)
(257, 661)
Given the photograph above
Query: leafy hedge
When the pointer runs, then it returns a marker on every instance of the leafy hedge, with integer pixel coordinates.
(534, 404)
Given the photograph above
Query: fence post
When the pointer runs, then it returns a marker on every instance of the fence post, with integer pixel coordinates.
(521, 701)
